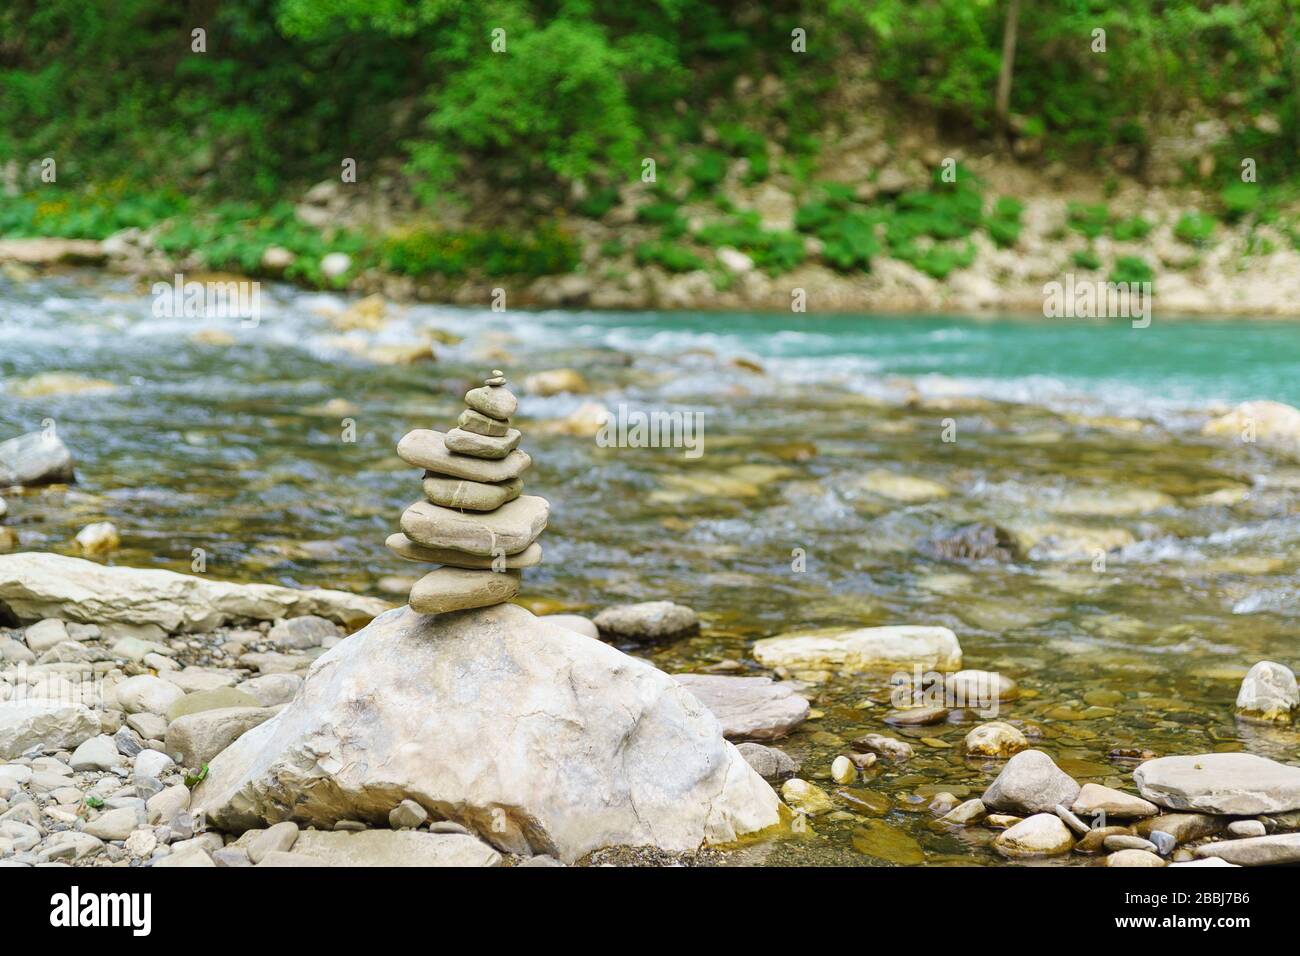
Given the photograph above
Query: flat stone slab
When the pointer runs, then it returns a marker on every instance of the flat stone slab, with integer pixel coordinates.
(35, 586)
(749, 708)
(1254, 851)
(37, 458)
(393, 848)
(456, 589)
(469, 495)
(1094, 799)
(427, 449)
(404, 547)
(864, 649)
(1230, 784)
(52, 724)
(509, 529)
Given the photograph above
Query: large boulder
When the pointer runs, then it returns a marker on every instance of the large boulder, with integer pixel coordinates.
(48, 724)
(1272, 424)
(37, 458)
(35, 585)
(1031, 783)
(1232, 784)
(538, 739)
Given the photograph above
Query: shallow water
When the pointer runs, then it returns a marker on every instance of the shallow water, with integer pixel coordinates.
(238, 450)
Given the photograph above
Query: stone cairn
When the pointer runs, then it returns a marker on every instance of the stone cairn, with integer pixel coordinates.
(474, 521)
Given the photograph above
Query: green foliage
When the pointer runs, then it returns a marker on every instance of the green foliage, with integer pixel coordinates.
(1240, 199)
(1195, 228)
(1135, 227)
(668, 255)
(850, 242)
(1089, 219)
(1003, 226)
(706, 169)
(545, 250)
(1132, 269)
(1087, 259)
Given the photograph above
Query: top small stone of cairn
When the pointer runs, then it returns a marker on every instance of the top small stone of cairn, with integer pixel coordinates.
(474, 520)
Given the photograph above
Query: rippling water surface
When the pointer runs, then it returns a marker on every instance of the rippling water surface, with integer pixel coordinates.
(237, 448)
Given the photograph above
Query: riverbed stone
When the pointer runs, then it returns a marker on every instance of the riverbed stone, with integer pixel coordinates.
(509, 529)
(806, 797)
(748, 708)
(1031, 783)
(145, 692)
(995, 739)
(98, 753)
(198, 738)
(904, 489)
(1040, 835)
(1272, 850)
(1063, 542)
(45, 635)
(464, 442)
(36, 585)
(966, 813)
(36, 458)
(536, 738)
(1183, 827)
(269, 690)
(1241, 829)
(404, 547)
(455, 589)
(1134, 858)
(425, 448)
(470, 495)
(862, 649)
(199, 701)
(49, 724)
(114, 824)
(1268, 693)
(647, 622)
(1093, 798)
(394, 848)
(1094, 841)
(303, 632)
(771, 763)
(407, 815)
(980, 690)
(1272, 424)
(889, 747)
(1232, 784)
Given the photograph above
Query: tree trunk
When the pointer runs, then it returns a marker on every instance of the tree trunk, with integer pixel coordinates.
(1003, 102)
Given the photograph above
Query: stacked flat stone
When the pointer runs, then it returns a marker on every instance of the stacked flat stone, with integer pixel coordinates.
(474, 522)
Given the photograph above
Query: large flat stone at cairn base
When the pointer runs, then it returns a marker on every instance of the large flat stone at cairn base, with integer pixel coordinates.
(404, 547)
(509, 529)
(1234, 784)
(36, 585)
(868, 648)
(538, 739)
(456, 589)
(470, 495)
(425, 448)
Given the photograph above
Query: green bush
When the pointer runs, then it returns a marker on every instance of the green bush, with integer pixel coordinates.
(1195, 228)
(1135, 227)
(545, 250)
(668, 255)
(1239, 200)
(1132, 269)
(1087, 259)
(1089, 219)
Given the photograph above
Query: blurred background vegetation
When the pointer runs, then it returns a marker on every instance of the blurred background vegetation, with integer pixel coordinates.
(141, 126)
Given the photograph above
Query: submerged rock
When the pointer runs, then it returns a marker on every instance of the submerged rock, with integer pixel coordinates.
(538, 739)
(1268, 693)
(995, 739)
(868, 648)
(1272, 424)
(649, 622)
(753, 708)
(39, 585)
(771, 763)
(972, 542)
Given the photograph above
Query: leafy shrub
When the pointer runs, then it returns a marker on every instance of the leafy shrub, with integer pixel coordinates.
(1087, 259)
(1132, 269)
(669, 255)
(1135, 227)
(1239, 200)
(545, 250)
(1195, 228)
(1089, 219)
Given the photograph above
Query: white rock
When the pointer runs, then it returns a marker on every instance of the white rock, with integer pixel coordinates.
(572, 622)
(1268, 692)
(272, 689)
(538, 739)
(43, 585)
(335, 264)
(152, 763)
(162, 807)
(146, 693)
(1255, 851)
(98, 538)
(49, 724)
(649, 621)
(199, 737)
(1272, 424)
(46, 635)
(394, 848)
(864, 649)
(735, 261)
(995, 739)
(749, 708)
(97, 753)
(1231, 784)
(114, 824)
(1031, 783)
(1042, 834)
